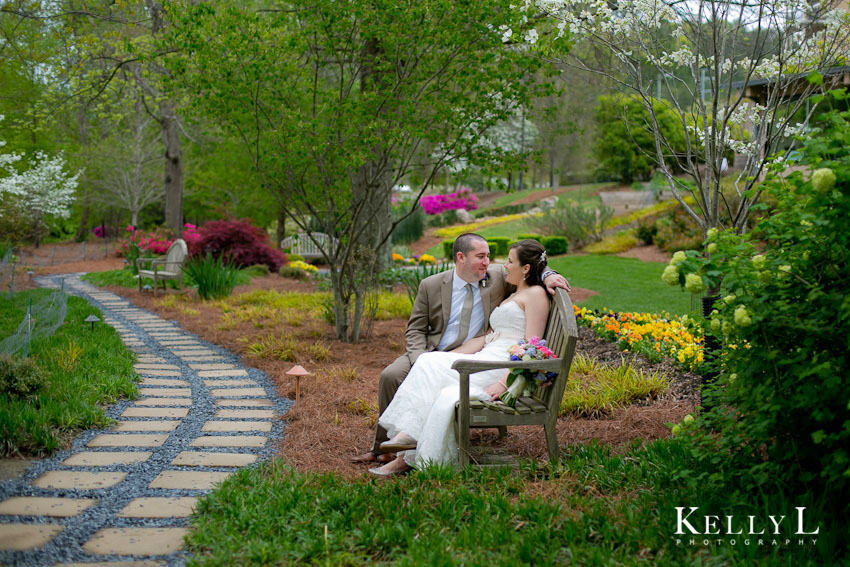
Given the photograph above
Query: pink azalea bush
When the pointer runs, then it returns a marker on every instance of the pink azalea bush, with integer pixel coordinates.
(463, 198)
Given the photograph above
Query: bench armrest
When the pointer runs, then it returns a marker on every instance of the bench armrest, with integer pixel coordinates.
(473, 366)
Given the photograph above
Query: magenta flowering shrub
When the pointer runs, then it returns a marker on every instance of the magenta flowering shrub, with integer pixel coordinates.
(239, 242)
(463, 198)
(155, 242)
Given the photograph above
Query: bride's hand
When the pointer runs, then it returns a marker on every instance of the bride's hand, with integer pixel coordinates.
(495, 390)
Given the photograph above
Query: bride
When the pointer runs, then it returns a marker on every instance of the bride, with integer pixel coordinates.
(419, 419)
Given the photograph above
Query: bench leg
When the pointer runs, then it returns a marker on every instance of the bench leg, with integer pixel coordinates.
(552, 441)
(503, 432)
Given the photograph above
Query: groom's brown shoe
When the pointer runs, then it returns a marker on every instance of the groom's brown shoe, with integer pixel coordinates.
(370, 457)
(367, 457)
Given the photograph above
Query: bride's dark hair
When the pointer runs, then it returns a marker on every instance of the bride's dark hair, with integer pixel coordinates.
(532, 254)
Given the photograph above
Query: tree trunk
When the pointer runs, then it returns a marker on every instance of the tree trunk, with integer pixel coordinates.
(173, 168)
(280, 234)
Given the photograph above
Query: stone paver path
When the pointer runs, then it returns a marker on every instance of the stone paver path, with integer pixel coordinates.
(123, 497)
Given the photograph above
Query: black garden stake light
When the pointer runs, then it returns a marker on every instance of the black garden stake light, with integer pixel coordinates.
(92, 319)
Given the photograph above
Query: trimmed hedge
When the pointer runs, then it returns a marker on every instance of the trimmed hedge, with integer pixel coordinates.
(499, 245)
(447, 249)
(554, 245)
(530, 236)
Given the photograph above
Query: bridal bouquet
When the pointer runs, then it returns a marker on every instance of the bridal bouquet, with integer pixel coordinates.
(522, 381)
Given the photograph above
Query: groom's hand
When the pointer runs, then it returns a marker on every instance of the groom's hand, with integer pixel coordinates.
(553, 281)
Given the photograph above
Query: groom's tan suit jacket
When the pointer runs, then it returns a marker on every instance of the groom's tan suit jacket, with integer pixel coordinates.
(430, 312)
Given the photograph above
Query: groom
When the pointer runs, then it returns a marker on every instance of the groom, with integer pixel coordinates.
(448, 312)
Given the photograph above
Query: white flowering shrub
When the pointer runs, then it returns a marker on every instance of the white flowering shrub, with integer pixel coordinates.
(45, 189)
(711, 63)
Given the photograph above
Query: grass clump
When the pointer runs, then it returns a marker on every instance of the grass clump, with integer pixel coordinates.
(595, 389)
(285, 347)
(79, 371)
(214, 277)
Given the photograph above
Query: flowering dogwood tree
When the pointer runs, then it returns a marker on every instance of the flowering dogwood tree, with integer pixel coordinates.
(44, 189)
(737, 74)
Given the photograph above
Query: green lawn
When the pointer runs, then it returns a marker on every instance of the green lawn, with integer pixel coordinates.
(594, 508)
(125, 278)
(85, 370)
(624, 284)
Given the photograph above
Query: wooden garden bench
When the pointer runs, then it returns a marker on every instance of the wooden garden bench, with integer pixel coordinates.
(542, 409)
(309, 246)
(168, 268)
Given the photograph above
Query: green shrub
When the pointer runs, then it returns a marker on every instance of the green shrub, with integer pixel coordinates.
(677, 230)
(257, 270)
(554, 245)
(578, 224)
(646, 230)
(530, 236)
(624, 145)
(447, 249)
(780, 410)
(214, 277)
(20, 378)
(294, 258)
(292, 272)
(499, 245)
(412, 228)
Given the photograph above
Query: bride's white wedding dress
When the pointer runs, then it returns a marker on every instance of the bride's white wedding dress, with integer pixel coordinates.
(424, 404)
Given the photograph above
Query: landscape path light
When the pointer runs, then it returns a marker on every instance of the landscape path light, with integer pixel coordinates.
(298, 371)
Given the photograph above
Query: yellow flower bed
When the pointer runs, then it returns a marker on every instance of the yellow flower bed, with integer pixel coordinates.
(301, 265)
(655, 336)
(455, 231)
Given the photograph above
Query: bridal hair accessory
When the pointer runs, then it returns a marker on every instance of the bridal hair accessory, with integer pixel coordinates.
(542, 257)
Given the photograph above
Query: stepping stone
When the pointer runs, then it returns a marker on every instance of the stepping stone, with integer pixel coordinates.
(158, 507)
(162, 402)
(129, 440)
(170, 425)
(155, 412)
(203, 459)
(203, 357)
(42, 506)
(189, 480)
(190, 353)
(168, 342)
(217, 373)
(225, 382)
(136, 541)
(160, 372)
(237, 392)
(21, 537)
(245, 414)
(166, 392)
(229, 441)
(194, 345)
(163, 382)
(251, 403)
(152, 366)
(212, 366)
(106, 458)
(79, 479)
(228, 426)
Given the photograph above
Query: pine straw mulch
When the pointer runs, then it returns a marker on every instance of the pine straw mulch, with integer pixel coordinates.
(335, 417)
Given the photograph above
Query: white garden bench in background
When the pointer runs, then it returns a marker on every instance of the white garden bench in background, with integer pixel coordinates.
(309, 246)
(168, 268)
